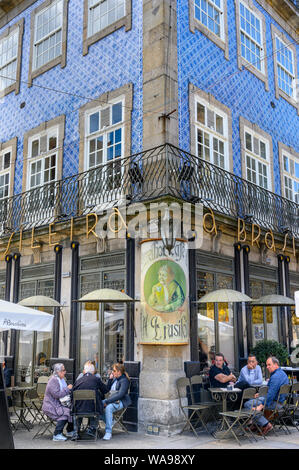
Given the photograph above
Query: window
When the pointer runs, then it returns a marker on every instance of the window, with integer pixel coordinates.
(104, 13)
(102, 328)
(48, 34)
(43, 154)
(10, 58)
(48, 37)
(209, 13)
(251, 39)
(210, 17)
(8, 153)
(5, 160)
(285, 66)
(104, 144)
(103, 17)
(291, 177)
(211, 134)
(215, 321)
(105, 138)
(42, 158)
(257, 157)
(257, 160)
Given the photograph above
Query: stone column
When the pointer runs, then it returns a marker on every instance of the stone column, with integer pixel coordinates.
(158, 403)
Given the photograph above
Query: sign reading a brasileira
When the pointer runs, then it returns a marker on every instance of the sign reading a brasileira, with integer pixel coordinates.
(164, 293)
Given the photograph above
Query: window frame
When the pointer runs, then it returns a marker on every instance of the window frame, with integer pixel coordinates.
(42, 156)
(104, 131)
(114, 96)
(15, 86)
(125, 21)
(255, 131)
(44, 128)
(242, 62)
(294, 101)
(212, 132)
(10, 146)
(284, 150)
(59, 60)
(195, 24)
(197, 95)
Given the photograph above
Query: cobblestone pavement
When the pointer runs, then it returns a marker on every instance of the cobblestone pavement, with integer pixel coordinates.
(23, 439)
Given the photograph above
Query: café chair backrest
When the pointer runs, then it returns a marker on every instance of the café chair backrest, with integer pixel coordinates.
(42, 384)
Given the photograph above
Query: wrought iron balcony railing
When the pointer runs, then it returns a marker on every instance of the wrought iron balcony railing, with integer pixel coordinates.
(164, 170)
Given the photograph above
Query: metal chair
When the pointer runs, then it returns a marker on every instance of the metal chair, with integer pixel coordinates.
(263, 391)
(240, 418)
(211, 406)
(34, 405)
(277, 415)
(85, 395)
(41, 385)
(291, 407)
(197, 409)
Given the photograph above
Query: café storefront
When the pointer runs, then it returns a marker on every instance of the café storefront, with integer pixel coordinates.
(106, 332)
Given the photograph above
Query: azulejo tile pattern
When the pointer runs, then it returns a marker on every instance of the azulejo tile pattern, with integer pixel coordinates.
(110, 63)
(202, 63)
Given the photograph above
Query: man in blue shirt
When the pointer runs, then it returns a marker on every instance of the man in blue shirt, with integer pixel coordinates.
(219, 374)
(251, 374)
(277, 378)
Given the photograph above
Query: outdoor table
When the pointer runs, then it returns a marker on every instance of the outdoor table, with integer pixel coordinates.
(223, 394)
(290, 370)
(22, 391)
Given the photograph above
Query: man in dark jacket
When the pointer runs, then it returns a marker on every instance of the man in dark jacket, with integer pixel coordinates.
(89, 381)
(118, 386)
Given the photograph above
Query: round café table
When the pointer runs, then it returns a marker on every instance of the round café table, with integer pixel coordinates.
(21, 391)
(223, 394)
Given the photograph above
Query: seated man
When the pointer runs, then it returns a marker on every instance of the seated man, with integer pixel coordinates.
(89, 381)
(277, 378)
(220, 375)
(118, 384)
(251, 374)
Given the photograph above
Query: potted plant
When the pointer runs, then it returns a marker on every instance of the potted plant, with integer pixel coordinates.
(268, 347)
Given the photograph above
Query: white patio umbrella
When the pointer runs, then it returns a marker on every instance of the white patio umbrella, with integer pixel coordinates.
(17, 317)
(106, 296)
(224, 295)
(39, 301)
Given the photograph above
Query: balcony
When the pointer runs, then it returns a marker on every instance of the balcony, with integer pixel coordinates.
(162, 171)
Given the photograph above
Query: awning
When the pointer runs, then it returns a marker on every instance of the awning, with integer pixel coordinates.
(17, 317)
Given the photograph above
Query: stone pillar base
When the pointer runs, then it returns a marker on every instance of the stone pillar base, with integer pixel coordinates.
(165, 414)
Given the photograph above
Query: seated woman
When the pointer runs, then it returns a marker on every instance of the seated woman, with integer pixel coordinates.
(52, 407)
(118, 384)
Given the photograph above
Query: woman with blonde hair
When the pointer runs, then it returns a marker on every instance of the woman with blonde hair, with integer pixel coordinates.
(118, 385)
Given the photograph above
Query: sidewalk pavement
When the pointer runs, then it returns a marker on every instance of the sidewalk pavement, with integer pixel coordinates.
(120, 440)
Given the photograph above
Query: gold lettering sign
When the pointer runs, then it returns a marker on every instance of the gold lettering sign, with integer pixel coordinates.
(272, 246)
(255, 239)
(91, 230)
(32, 240)
(51, 234)
(212, 229)
(241, 231)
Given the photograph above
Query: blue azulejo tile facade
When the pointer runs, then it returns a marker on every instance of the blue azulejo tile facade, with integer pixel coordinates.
(112, 62)
(202, 63)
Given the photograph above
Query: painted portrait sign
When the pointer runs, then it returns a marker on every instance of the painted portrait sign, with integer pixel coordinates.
(164, 302)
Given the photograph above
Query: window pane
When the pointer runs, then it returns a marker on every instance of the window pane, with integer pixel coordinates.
(116, 113)
(35, 148)
(200, 113)
(93, 123)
